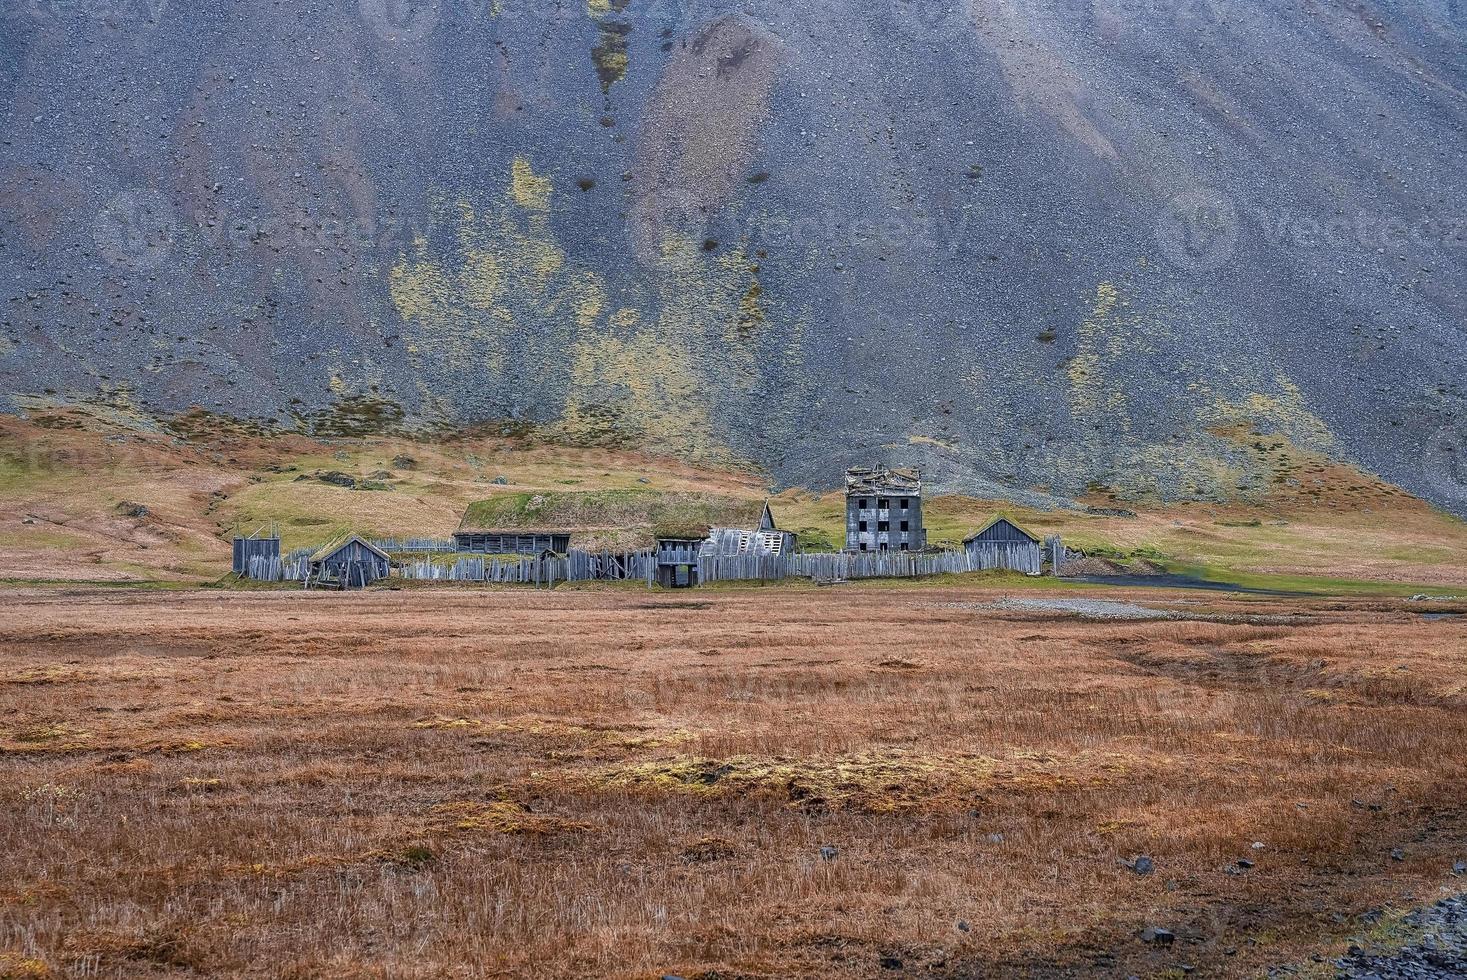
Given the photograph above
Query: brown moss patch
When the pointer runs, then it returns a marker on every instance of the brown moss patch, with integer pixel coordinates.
(500, 817)
(877, 782)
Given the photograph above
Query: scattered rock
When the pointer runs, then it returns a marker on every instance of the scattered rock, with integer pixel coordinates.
(1397, 854)
(829, 852)
(499, 481)
(338, 479)
(1143, 865)
(1459, 868)
(1245, 864)
(963, 926)
(995, 838)
(1437, 953)
(404, 462)
(131, 508)
(891, 963)
(1157, 936)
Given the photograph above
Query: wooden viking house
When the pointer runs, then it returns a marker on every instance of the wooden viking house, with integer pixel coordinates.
(1003, 544)
(348, 563)
(765, 539)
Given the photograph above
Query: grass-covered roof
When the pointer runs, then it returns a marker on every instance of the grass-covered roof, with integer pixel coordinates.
(612, 518)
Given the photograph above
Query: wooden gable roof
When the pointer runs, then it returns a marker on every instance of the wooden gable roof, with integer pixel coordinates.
(331, 548)
(1001, 520)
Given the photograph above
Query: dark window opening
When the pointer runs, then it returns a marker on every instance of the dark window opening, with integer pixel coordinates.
(904, 503)
(904, 526)
(863, 546)
(861, 503)
(883, 504)
(863, 525)
(883, 546)
(904, 547)
(883, 525)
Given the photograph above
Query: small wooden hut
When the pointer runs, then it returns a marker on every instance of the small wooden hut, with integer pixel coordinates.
(257, 550)
(1003, 544)
(677, 557)
(349, 562)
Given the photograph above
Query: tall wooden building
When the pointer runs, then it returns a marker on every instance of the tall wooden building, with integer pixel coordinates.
(884, 510)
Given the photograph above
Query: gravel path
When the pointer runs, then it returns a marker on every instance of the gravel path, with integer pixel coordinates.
(1440, 954)
(1089, 608)
(1112, 609)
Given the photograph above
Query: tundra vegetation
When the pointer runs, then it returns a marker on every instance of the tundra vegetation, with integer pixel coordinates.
(757, 782)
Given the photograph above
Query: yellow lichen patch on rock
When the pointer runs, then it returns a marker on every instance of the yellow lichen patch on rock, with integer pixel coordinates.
(609, 56)
(643, 389)
(1093, 398)
(1279, 411)
(419, 286)
(502, 301)
(493, 300)
(529, 190)
(645, 381)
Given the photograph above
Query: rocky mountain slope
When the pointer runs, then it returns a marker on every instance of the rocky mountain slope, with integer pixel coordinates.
(1034, 246)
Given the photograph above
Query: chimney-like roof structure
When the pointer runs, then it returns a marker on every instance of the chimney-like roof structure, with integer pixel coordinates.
(906, 481)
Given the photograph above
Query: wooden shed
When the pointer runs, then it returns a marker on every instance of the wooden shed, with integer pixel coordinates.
(256, 551)
(520, 541)
(1003, 544)
(347, 563)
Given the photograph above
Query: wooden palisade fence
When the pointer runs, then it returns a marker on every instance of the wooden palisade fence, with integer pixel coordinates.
(842, 565)
(575, 566)
(641, 566)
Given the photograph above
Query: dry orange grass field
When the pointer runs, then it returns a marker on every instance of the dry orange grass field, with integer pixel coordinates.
(618, 783)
